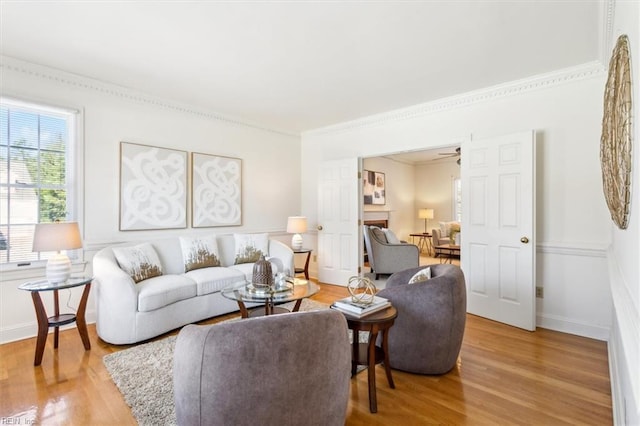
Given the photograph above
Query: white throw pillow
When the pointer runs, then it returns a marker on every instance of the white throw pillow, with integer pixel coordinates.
(445, 228)
(249, 247)
(199, 252)
(391, 237)
(141, 262)
(421, 275)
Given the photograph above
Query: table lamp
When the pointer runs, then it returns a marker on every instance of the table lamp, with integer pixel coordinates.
(56, 237)
(296, 225)
(425, 214)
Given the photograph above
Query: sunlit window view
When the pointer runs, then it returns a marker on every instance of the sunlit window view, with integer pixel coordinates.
(34, 176)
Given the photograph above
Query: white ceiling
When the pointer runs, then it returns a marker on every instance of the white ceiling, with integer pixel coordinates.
(299, 65)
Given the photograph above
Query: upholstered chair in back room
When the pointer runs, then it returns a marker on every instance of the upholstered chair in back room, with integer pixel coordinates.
(288, 369)
(427, 335)
(388, 257)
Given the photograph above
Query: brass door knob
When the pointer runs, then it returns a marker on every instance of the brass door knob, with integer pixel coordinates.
(319, 227)
(524, 240)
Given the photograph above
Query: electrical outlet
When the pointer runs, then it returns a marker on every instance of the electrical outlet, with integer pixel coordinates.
(539, 292)
(315, 258)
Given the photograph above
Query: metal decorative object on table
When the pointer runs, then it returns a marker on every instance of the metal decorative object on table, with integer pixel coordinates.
(361, 290)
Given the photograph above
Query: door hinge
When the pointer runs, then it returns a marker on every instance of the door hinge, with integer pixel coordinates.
(359, 174)
(359, 269)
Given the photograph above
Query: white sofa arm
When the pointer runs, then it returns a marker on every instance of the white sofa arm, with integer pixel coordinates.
(283, 252)
(116, 299)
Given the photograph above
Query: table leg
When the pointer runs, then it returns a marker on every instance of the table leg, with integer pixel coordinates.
(306, 266)
(56, 310)
(296, 307)
(356, 352)
(244, 313)
(80, 318)
(43, 327)
(385, 351)
(371, 366)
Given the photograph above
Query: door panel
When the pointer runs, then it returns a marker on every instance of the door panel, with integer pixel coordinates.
(498, 186)
(338, 221)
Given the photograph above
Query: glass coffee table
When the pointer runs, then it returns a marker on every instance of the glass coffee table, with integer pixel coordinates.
(294, 290)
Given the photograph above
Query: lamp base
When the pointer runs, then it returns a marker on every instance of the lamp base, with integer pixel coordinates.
(296, 242)
(58, 268)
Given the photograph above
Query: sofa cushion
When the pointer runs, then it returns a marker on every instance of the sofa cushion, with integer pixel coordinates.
(421, 275)
(199, 252)
(157, 292)
(249, 247)
(141, 262)
(210, 280)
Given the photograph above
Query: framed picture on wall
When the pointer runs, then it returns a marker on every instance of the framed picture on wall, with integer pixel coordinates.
(216, 190)
(373, 187)
(153, 187)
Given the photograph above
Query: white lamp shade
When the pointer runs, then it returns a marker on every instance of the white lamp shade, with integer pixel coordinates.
(425, 214)
(296, 225)
(56, 237)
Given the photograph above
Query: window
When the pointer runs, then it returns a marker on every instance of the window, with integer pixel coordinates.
(457, 200)
(36, 174)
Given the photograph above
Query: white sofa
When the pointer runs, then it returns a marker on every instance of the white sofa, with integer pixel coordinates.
(130, 312)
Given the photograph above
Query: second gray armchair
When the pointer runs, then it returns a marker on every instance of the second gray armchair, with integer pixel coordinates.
(388, 258)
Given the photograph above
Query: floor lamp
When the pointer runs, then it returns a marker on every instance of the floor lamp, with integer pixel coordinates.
(425, 214)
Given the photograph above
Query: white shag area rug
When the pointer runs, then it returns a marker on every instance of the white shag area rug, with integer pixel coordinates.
(144, 375)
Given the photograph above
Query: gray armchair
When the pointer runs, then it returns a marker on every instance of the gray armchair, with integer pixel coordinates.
(285, 369)
(427, 335)
(438, 240)
(387, 258)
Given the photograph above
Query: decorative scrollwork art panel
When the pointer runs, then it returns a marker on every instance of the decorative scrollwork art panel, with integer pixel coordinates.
(617, 135)
(153, 187)
(217, 190)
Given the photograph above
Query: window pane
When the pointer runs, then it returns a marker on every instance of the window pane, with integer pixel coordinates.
(23, 204)
(23, 166)
(53, 133)
(21, 243)
(52, 168)
(53, 205)
(4, 244)
(4, 165)
(23, 129)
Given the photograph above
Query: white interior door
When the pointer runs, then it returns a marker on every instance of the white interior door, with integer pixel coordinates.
(498, 228)
(338, 233)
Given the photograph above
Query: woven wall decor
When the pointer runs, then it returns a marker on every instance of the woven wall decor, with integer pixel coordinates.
(617, 135)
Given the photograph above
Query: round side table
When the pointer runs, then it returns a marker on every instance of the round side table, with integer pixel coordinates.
(58, 320)
(368, 353)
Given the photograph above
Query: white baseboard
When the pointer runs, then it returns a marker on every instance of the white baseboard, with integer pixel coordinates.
(30, 329)
(567, 325)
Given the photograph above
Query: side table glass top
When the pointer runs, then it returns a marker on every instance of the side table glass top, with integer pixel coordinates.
(44, 285)
(243, 293)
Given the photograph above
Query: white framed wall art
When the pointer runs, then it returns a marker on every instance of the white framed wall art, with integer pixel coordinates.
(216, 190)
(153, 187)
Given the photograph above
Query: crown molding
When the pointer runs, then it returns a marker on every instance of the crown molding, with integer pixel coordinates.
(504, 90)
(86, 83)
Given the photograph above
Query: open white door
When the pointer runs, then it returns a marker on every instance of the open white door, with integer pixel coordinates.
(338, 233)
(498, 228)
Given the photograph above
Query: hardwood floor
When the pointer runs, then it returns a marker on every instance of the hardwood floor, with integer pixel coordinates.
(505, 376)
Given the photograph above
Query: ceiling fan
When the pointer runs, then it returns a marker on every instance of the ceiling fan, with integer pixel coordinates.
(456, 153)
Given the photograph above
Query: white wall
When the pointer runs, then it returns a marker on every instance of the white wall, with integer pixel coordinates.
(270, 167)
(624, 253)
(434, 190)
(565, 109)
(399, 190)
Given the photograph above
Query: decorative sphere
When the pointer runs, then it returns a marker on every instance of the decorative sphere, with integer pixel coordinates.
(361, 290)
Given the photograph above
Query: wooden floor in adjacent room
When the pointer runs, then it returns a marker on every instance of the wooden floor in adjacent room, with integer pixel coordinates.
(505, 376)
